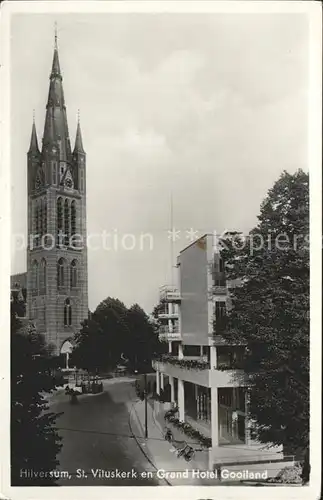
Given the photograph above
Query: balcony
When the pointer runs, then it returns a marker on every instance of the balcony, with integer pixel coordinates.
(167, 315)
(166, 334)
(220, 290)
(169, 293)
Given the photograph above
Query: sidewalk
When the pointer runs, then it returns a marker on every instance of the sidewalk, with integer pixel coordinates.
(161, 453)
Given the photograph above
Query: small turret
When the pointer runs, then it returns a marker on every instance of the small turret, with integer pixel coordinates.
(33, 148)
(78, 148)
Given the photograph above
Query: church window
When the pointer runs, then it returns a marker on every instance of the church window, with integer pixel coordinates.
(43, 276)
(33, 310)
(37, 222)
(66, 221)
(73, 218)
(82, 180)
(67, 313)
(59, 219)
(60, 273)
(35, 276)
(45, 216)
(73, 274)
(54, 171)
(41, 218)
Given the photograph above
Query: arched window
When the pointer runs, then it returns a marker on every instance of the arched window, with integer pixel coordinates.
(67, 313)
(43, 276)
(73, 218)
(66, 221)
(41, 220)
(33, 310)
(54, 172)
(73, 274)
(37, 223)
(59, 219)
(81, 179)
(60, 273)
(35, 277)
(44, 216)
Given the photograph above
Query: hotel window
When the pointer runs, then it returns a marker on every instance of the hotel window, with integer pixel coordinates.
(220, 310)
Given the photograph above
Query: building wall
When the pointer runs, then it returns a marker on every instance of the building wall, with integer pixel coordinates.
(196, 297)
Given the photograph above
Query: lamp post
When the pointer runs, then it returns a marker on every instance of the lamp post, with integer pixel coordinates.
(146, 404)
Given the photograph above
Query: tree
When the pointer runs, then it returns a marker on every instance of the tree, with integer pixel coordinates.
(102, 338)
(270, 312)
(142, 343)
(34, 439)
(113, 334)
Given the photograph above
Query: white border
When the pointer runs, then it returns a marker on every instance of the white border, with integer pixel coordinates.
(313, 10)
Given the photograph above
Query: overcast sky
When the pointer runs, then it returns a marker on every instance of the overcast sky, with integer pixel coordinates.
(209, 107)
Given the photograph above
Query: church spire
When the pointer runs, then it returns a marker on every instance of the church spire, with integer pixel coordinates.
(33, 148)
(78, 148)
(56, 128)
(56, 70)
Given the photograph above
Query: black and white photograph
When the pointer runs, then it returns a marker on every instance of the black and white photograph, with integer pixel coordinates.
(161, 167)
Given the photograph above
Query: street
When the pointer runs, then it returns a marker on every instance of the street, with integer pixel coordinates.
(98, 440)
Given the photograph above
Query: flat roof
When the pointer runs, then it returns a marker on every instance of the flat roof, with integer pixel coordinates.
(195, 241)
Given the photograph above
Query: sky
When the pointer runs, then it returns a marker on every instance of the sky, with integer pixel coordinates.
(206, 109)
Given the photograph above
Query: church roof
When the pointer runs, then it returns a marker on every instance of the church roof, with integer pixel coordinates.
(33, 148)
(78, 148)
(56, 128)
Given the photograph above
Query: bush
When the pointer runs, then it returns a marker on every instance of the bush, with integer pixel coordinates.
(187, 428)
(289, 475)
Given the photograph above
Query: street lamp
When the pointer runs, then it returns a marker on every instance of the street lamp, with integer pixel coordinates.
(146, 404)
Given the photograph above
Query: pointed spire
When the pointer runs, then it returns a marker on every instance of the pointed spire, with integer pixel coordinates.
(56, 128)
(33, 148)
(78, 148)
(56, 71)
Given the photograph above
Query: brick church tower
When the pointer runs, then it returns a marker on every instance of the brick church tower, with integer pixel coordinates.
(57, 294)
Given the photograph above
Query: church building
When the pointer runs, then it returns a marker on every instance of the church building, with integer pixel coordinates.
(57, 276)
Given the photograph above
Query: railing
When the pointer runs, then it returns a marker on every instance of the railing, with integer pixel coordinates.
(167, 315)
(169, 336)
(169, 292)
(166, 329)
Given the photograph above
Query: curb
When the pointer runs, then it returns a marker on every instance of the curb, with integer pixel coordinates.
(146, 452)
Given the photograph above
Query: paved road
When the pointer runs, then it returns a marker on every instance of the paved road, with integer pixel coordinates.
(97, 436)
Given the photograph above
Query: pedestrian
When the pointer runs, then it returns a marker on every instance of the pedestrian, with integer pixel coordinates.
(217, 469)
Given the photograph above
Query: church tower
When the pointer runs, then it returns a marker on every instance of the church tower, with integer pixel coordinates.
(57, 295)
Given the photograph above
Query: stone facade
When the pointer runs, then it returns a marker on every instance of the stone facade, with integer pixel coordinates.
(57, 291)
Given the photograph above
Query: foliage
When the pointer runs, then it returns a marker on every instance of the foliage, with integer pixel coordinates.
(186, 428)
(115, 335)
(189, 364)
(270, 311)
(34, 440)
(289, 475)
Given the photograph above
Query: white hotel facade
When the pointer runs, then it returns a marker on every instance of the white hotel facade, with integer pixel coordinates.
(210, 394)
